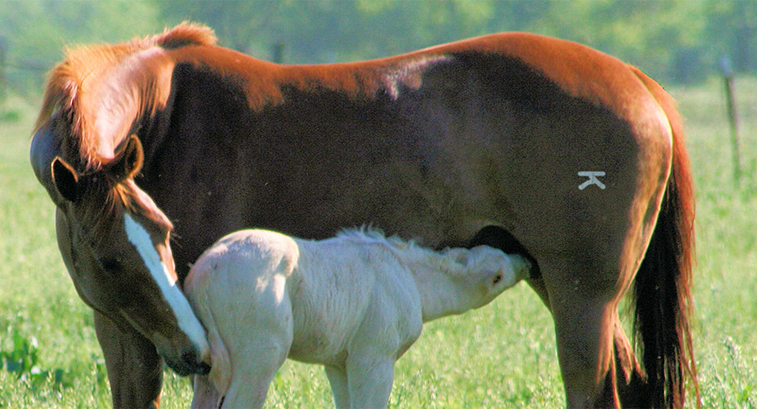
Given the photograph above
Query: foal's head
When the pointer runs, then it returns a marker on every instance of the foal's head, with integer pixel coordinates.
(482, 273)
(120, 255)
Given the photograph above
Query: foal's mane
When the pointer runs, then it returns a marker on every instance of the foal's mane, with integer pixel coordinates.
(76, 86)
(405, 249)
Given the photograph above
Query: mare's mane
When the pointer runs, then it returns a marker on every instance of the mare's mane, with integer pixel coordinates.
(93, 76)
(407, 250)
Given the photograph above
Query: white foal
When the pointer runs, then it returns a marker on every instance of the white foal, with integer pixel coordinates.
(354, 303)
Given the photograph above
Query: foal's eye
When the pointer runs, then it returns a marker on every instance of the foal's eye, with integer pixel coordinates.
(110, 265)
(497, 278)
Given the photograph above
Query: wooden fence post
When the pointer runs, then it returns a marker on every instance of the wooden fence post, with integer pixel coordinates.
(725, 66)
(277, 51)
(3, 83)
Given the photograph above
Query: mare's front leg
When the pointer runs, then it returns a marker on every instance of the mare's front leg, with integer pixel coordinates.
(135, 370)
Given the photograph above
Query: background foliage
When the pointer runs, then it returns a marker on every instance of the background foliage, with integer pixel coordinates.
(499, 356)
(675, 41)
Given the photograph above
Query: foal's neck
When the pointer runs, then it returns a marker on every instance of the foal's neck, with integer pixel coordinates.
(441, 293)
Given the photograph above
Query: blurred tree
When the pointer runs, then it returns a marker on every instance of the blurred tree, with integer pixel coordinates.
(671, 40)
(3, 83)
(665, 38)
(235, 22)
(648, 34)
(37, 32)
(732, 32)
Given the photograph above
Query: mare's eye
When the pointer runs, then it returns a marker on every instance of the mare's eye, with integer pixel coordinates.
(110, 265)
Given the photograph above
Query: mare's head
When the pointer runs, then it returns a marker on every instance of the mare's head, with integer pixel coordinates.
(115, 242)
(113, 238)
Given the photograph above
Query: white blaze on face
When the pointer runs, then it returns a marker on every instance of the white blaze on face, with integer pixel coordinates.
(186, 318)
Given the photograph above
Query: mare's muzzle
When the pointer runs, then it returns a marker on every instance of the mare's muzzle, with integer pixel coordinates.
(189, 363)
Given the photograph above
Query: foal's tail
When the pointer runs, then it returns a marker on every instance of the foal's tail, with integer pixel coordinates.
(662, 291)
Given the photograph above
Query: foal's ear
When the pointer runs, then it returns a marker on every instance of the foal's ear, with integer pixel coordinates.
(459, 255)
(129, 161)
(66, 179)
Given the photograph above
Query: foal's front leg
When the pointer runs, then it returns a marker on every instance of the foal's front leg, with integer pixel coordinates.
(205, 394)
(370, 379)
(339, 386)
(251, 380)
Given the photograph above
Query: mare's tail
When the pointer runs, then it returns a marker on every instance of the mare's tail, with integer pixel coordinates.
(662, 291)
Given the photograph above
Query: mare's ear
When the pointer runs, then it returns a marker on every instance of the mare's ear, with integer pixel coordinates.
(66, 179)
(129, 161)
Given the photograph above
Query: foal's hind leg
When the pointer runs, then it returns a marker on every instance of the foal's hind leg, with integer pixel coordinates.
(205, 394)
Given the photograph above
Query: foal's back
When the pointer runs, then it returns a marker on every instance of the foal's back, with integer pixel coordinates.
(264, 296)
(326, 287)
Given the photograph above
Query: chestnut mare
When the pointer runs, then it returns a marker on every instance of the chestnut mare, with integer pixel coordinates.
(512, 140)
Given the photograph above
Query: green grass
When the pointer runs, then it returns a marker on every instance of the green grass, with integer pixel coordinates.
(500, 356)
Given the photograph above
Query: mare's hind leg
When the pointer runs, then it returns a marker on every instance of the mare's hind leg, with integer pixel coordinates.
(627, 375)
(632, 384)
(583, 303)
(135, 369)
(624, 374)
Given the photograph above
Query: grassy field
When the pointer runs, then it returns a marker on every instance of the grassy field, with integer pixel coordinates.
(500, 356)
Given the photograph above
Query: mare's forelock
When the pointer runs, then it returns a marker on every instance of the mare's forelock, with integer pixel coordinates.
(75, 88)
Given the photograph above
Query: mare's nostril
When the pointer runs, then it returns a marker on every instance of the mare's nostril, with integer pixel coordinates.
(188, 356)
(203, 368)
(192, 361)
